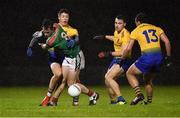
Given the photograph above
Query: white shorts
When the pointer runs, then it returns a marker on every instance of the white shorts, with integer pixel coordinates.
(76, 63)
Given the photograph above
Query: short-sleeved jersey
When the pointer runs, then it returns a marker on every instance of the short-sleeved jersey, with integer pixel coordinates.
(148, 37)
(58, 40)
(121, 38)
(70, 31)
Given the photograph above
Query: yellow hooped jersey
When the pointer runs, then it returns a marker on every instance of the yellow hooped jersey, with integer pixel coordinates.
(121, 38)
(148, 37)
(70, 31)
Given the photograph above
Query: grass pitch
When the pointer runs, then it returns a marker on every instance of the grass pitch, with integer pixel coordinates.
(24, 101)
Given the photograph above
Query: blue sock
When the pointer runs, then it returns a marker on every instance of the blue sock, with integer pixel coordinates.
(120, 98)
(113, 102)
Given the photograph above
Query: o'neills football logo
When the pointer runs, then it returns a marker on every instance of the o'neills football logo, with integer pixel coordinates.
(64, 35)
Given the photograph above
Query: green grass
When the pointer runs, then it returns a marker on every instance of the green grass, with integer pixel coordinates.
(24, 101)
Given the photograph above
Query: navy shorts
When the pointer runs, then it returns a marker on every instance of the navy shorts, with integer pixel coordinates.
(149, 62)
(54, 57)
(126, 64)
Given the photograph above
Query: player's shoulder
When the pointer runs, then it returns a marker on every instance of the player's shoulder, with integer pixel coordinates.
(135, 30)
(115, 32)
(72, 28)
(55, 25)
(157, 28)
(126, 31)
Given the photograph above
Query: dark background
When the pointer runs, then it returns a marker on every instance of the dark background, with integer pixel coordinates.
(19, 19)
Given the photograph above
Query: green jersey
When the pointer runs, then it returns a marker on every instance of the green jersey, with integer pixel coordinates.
(58, 40)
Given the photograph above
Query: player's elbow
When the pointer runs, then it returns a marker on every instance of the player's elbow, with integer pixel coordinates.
(167, 42)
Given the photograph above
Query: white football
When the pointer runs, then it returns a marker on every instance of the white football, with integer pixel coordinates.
(74, 90)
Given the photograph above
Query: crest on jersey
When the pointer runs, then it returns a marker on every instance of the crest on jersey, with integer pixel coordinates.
(64, 35)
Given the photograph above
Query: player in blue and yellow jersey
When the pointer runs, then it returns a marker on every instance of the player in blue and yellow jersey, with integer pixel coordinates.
(58, 39)
(120, 39)
(148, 37)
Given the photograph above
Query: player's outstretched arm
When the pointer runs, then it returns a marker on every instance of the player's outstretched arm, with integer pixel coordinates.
(34, 40)
(100, 37)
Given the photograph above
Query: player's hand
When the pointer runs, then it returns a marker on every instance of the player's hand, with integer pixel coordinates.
(104, 54)
(37, 34)
(71, 43)
(43, 45)
(99, 37)
(29, 52)
(167, 61)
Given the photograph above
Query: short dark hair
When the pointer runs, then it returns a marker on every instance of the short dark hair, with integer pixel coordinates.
(142, 18)
(46, 23)
(119, 17)
(63, 11)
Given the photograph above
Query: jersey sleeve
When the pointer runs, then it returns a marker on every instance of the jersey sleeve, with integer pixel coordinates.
(53, 38)
(72, 32)
(160, 31)
(76, 32)
(133, 35)
(33, 41)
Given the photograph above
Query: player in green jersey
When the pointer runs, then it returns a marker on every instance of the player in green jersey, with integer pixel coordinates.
(58, 39)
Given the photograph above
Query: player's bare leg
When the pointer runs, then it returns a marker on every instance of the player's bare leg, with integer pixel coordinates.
(57, 73)
(112, 96)
(149, 87)
(94, 96)
(71, 79)
(111, 93)
(110, 77)
(72, 76)
(76, 99)
(54, 99)
(131, 76)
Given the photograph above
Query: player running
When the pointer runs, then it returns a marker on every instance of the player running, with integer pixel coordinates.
(120, 39)
(148, 37)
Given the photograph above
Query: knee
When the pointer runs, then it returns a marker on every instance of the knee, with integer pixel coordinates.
(69, 83)
(129, 73)
(148, 82)
(107, 79)
(58, 75)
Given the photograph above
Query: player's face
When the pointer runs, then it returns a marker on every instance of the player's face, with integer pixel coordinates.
(47, 32)
(64, 19)
(119, 24)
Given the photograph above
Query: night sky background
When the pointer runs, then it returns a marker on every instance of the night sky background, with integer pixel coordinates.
(19, 19)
